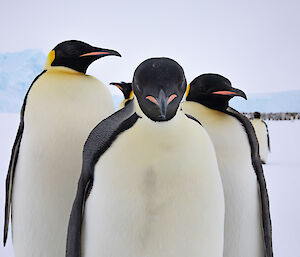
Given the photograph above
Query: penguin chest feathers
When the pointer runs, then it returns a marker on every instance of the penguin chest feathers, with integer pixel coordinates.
(157, 192)
(63, 102)
(262, 137)
(62, 107)
(226, 132)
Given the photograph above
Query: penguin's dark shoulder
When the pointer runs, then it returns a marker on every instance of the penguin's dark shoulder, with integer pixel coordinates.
(193, 118)
(265, 124)
(249, 130)
(106, 132)
(99, 140)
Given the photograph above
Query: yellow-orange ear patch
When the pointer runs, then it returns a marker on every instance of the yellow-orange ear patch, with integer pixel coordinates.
(131, 95)
(187, 90)
(50, 58)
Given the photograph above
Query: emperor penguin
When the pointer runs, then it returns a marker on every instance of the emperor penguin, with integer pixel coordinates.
(150, 184)
(247, 216)
(262, 134)
(60, 108)
(126, 90)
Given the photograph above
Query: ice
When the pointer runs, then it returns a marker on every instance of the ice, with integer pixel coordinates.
(282, 175)
(287, 101)
(17, 71)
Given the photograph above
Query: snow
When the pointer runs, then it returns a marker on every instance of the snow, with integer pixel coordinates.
(282, 175)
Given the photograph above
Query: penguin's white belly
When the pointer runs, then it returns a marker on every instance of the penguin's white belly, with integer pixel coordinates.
(58, 118)
(243, 224)
(243, 236)
(156, 197)
(261, 134)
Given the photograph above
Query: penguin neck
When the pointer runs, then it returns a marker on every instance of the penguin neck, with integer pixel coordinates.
(161, 125)
(202, 113)
(219, 103)
(62, 69)
(206, 109)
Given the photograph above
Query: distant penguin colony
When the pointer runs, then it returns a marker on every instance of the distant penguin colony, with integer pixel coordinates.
(262, 133)
(158, 177)
(163, 196)
(247, 217)
(61, 107)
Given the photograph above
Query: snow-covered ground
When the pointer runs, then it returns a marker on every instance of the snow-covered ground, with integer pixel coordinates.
(283, 180)
(282, 176)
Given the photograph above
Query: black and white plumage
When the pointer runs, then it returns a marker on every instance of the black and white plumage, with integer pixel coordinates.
(150, 184)
(60, 108)
(248, 230)
(262, 134)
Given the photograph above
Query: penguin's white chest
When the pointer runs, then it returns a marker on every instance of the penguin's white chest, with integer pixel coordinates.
(262, 137)
(156, 195)
(243, 235)
(61, 110)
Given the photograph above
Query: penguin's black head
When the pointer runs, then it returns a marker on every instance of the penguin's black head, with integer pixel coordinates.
(159, 85)
(257, 115)
(124, 87)
(77, 55)
(213, 91)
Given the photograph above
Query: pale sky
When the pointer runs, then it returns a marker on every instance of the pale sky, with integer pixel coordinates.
(253, 43)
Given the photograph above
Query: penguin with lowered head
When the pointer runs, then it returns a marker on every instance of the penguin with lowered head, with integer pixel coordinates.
(248, 229)
(150, 184)
(60, 108)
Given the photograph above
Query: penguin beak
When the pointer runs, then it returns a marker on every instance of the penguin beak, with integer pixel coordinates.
(162, 101)
(231, 92)
(101, 52)
(117, 85)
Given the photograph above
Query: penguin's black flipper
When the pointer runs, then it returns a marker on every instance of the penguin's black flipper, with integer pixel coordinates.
(268, 137)
(12, 165)
(10, 177)
(99, 140)
(256, 163)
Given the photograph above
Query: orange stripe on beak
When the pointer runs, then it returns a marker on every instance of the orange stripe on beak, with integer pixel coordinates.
(224, 93)
(171, 98)
(117, 86)
(94, 53)
(152, 99)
